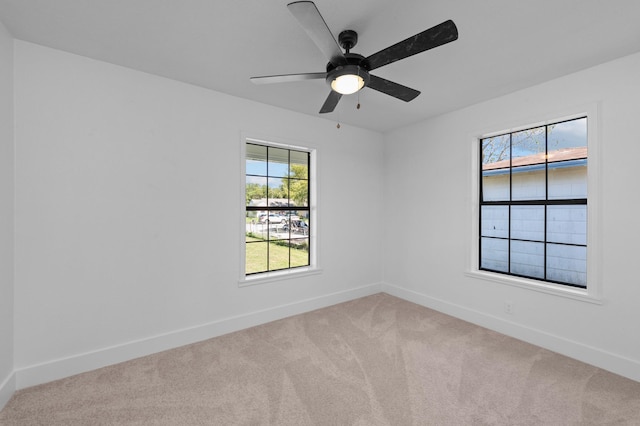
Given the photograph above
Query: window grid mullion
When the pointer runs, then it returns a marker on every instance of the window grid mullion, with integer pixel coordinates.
(510, 201)
(289, 204)
(268, 197)
(546, 197)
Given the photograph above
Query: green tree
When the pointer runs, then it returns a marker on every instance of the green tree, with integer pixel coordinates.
(297, 186)
(255, 191)
(277, 192)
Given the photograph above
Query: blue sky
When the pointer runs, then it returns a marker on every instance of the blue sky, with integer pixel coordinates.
(255, 167)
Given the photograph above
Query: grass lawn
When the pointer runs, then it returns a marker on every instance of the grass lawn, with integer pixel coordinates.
(259, 251)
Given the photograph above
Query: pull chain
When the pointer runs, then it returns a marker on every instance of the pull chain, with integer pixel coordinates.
(358, 106)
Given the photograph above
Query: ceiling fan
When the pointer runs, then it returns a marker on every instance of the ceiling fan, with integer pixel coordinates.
(348, 72)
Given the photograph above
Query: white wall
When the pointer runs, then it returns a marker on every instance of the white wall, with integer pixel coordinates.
(429, 265)
(6, 216)
(128, 207)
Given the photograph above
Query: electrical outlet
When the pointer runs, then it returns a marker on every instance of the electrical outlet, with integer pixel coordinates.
(508, 307)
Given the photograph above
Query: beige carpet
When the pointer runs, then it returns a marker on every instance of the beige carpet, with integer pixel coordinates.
(373, 361)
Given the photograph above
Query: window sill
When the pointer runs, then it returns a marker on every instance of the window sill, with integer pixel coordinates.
(287, 274)
(539, 286)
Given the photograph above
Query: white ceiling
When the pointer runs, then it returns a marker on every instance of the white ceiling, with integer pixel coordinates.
(503, 45)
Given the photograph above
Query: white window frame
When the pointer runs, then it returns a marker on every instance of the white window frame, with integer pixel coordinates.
(271, 276)
(593, 293)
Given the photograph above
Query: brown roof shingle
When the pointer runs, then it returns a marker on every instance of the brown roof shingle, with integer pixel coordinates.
(554, 156)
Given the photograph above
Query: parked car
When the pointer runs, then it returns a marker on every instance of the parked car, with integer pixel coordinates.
(273, 218)
(298, 227)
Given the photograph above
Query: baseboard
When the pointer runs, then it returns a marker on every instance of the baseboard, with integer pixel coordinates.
(80, 363)
(594, 356)
(7, 388)
(61, 368)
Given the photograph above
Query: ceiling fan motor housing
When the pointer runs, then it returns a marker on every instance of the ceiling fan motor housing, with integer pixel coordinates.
(355, 64)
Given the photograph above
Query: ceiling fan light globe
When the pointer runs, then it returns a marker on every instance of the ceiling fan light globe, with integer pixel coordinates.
(347, 84)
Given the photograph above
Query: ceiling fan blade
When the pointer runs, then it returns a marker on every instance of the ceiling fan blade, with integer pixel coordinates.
(443, 33)
(287, 78)
(313, 23)
(331, 102)
(392, 89)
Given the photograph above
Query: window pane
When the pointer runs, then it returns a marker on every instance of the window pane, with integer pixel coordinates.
(568, 180)
(528, 147)
(495, 168)
(527, 223)
(567, 224)
(567, 144)
(299, 252)
(567, 264)
(251, 217)
(256, 228)
(256, 162)
(494, 254)
(256, 191)
(528, 183)
(495, 185)
(495, 221)
(567, 135)
(298, 191)
(528, 165)
(256, 257)
(303, 214)
(299, 164)
(278, 255)
(494, 151)
(527, 259)
(277, 195)
(278, 162)
(297, 226)
(277, 223)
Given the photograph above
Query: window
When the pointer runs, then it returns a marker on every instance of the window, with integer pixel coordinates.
(533, 203)
(278, 220)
